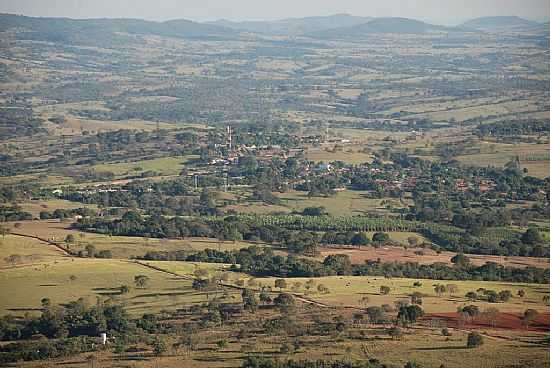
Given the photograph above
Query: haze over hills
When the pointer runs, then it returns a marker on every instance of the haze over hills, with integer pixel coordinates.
(496, 23)
(96, 30)
(295, 26)
(383, 25)
(115, 31)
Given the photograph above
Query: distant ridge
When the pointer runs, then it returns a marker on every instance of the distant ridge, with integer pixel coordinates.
(105, 30)
(499, 23)
(382, 25)
(294, 26)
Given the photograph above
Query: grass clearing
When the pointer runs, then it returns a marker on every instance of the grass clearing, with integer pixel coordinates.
(35, 207)
(164, 166)
(348, 291)
(95, 279)
(120, 246)
(30, 250)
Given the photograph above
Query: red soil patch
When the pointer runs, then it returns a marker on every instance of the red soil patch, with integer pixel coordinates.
(426, 256)
(507, 321)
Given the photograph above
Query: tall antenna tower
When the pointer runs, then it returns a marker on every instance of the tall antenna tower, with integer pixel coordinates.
(229, 137)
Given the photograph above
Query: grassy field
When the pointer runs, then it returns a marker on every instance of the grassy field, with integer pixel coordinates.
(425, 256)
(120, 246)
(349, 202)
(35, 207)
(498, 154)
(348, 291)
(424, 346)
(96, 279)
(350, 157)
(30, 250)
(163, 166)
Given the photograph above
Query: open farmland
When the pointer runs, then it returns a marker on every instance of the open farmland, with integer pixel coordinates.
(67, 279)
(366, 192)
(426, 256)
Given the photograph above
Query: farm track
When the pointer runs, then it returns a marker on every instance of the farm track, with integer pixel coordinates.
(298, 297)
(56, 245)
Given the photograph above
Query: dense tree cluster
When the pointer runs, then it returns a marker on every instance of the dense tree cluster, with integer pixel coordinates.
(262, 262)
(70, 320)
(13, 213)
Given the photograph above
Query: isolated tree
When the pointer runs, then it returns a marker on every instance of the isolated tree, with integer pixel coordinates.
(452, 289)
(265, 298)
(440, 289)
(4, 231)
(124, 289)
(472, 296)
(521, 293)
(281, 284)
(90, 250)
(222, 344)
(470, 310)
(384, 290)
(474, 340)
(364, 300)
(159, 346)
(491, 315)
(284, 302)
(13, 259)
(505, 295)
(250, 303)
(45, 302)
(380, 237)
(296, 286)
(416, 298)
(529, 316)
(141, 281)
(410, 314)
(70, 239)
(201, 273)
(200, 284)
(376, 314)
(322, 289)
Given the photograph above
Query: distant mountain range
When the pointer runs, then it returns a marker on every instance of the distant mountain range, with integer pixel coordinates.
(106, 30)
(295, 26)
(382, 25)
(113, 31)
(499, 23)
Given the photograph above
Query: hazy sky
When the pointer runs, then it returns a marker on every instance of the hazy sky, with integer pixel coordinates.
(443, 11)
